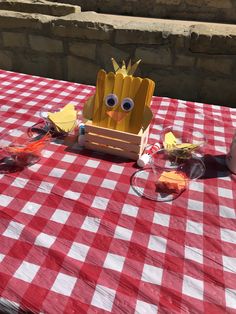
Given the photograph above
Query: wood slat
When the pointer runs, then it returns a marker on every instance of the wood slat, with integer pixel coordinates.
(127, 137)
(113, 142)
(112, 151)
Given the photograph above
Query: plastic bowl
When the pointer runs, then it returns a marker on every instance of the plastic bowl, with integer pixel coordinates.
(18, 147)
(194, 166)
(176, 155)
(154, 183)
(185, 135)
(146, 184)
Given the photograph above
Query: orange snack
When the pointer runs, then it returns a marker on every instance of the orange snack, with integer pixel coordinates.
(172, 181)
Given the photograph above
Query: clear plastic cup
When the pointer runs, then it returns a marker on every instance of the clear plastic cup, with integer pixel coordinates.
(187, 136)
(154, 182)
(18, 147)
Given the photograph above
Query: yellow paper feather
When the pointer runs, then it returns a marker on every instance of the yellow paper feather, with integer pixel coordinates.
(65, 119)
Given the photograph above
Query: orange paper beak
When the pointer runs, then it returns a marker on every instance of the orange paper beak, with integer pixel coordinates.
(117, 116)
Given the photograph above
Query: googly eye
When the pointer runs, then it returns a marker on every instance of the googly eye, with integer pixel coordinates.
(127, 104)
(111, 100)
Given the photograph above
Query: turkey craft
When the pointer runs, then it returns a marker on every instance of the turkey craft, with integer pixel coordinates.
(121, 103)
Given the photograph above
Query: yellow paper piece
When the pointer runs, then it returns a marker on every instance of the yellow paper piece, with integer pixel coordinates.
(101, 77)
(123, 120)
(125, 70)
(65, 119)
(169, 141)
(108, 87)
(140, 100)
(187, 146)
(88, 108)
(117, 91)
(181, 151)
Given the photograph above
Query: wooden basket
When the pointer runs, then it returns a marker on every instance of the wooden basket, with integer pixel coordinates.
(115, 142)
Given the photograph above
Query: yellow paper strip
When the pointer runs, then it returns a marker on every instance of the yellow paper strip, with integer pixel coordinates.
(118, 84)
(108, 89)
(123, 124)
(140, 102)
(99, 97)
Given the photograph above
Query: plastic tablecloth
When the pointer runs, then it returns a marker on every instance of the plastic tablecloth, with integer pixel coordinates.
(76, 238)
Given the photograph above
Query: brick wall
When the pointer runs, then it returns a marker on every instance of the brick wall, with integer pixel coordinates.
(187, 60)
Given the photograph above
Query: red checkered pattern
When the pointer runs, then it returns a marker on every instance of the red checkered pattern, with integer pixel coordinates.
(76, 238)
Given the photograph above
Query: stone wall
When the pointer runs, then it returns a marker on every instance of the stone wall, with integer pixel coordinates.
(223, 11)
(187, 60)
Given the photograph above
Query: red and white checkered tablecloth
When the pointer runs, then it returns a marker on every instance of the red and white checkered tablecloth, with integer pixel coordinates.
(76, 238)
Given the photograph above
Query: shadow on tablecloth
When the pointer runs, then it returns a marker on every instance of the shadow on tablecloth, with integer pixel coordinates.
(75, 148)
(7, 165)
(215, 167)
